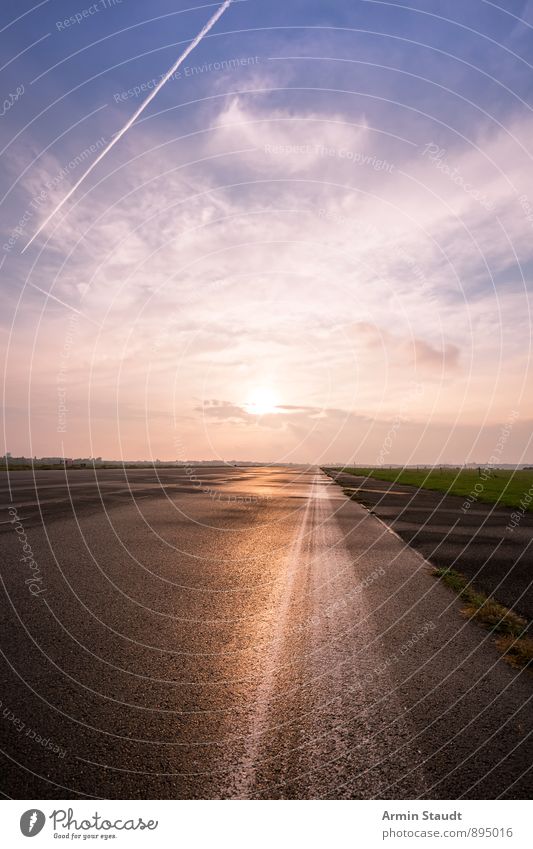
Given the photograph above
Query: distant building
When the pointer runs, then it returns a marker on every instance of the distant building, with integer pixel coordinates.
(86, 462)
(15, 461)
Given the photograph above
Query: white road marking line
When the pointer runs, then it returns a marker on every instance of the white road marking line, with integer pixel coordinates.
(274, 650)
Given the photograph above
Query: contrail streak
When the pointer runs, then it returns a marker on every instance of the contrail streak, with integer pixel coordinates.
(194, 43)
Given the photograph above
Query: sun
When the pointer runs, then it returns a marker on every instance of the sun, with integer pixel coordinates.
(261, 401)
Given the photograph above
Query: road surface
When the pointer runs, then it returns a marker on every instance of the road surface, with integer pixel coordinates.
(238, 633)
(484, 541)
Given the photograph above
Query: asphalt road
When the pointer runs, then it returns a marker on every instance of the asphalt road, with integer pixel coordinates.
(483, 542)
(238, 633)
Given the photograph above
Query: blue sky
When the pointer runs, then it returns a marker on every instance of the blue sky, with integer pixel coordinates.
(321, 228)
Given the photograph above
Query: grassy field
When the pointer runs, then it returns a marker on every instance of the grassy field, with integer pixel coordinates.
(491, 486)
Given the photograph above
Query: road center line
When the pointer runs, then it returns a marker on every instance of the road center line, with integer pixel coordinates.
(293, 564)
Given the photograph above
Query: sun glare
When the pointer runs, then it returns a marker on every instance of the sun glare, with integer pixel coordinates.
(261, 401)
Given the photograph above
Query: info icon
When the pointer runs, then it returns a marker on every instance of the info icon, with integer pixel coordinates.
(31, 822)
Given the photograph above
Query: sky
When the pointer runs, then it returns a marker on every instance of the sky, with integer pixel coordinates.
(315, 245)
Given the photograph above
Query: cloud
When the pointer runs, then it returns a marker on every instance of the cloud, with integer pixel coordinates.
(288, 141)
(400, 352)
(423, 354)
(210, 271)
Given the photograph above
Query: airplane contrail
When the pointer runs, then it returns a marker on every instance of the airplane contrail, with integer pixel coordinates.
(194, 43)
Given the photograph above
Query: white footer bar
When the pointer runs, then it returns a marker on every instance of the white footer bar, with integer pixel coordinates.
(278, 824)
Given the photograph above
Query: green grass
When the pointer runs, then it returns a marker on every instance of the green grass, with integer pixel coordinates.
(491, 486)
(505, 487)
(508, 627)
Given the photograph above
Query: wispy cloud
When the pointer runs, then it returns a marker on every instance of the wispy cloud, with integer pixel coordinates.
(273, 248)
